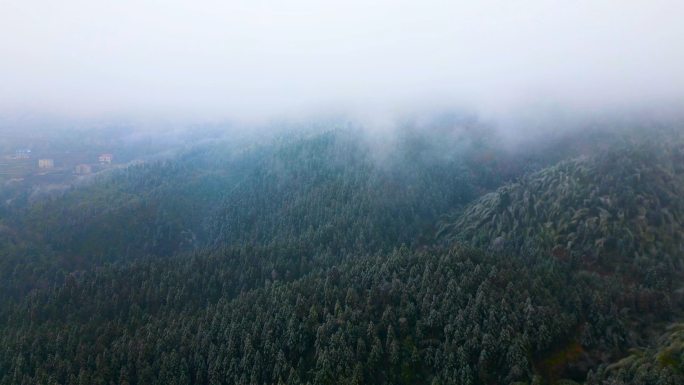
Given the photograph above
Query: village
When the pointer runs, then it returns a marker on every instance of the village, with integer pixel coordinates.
(43, 161)
(39, 163)
(63, 165)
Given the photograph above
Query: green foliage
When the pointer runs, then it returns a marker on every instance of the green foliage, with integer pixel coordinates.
(147, 209)
(325, 193)
(332, 191)
(474, 318)
(313, 259)
(663, 363)
(622, 208)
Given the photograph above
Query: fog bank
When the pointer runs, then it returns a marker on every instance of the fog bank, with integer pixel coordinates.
(253, 59)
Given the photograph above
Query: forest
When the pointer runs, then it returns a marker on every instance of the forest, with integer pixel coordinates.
(434, 255)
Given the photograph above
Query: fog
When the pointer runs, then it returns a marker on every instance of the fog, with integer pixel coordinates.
(252, 60)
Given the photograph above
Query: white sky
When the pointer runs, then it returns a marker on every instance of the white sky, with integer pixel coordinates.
(252, 58)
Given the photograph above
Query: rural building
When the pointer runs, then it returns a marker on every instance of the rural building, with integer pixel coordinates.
(106, 158)
(83, 169)
(22, 154)
(46, 163)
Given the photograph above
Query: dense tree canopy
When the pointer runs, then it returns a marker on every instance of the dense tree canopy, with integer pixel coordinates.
(319, 258)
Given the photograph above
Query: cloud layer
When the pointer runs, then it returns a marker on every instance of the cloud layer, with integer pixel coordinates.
(246, 59)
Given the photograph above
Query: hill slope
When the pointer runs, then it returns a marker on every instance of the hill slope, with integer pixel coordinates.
(314, 260)
(323, 193)
(623, 208)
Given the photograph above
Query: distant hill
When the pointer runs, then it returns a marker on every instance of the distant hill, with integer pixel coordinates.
(622, 208)
(322, 258)
(327, 191)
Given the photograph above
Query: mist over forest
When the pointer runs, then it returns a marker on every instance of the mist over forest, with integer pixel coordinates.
(360, 192)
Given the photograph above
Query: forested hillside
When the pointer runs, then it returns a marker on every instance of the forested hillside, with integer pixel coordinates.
(317, 192)
(149, 209)
(621, 209)
(432, 257)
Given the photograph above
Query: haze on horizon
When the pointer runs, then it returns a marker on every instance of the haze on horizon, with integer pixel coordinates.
(249, 59)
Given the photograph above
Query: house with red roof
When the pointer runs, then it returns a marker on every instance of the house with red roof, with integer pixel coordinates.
(106, 158)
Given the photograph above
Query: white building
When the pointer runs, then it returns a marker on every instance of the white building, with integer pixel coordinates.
(106, 158)
(23, 154)
(83, 169)
(46, 163)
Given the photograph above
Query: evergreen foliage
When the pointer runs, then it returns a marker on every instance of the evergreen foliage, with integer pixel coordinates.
(316, 259)
(622, 209)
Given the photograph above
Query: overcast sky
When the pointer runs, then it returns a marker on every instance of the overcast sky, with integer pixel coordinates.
(240, 59)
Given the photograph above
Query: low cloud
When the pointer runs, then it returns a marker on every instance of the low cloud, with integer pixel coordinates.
(253, 60)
